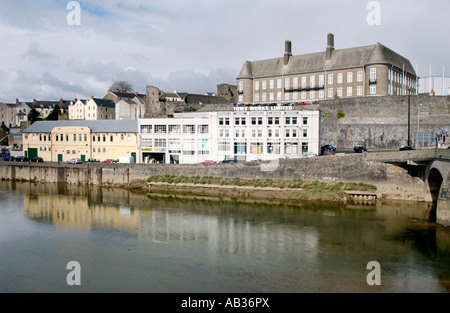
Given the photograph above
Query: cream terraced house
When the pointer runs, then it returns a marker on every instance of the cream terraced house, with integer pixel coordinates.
(355, 72)
(243, 134)
(93, 109)
(61, 141)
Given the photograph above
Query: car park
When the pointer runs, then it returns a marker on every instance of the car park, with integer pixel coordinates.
(74, 161)
(21, 159)
(360, 149)
(37, 160)
(8, 158)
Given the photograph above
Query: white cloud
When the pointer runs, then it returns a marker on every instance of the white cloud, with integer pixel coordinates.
(192, 45)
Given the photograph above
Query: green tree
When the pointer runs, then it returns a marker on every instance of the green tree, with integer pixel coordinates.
(34, 116)
(121, 86)
(54, 115)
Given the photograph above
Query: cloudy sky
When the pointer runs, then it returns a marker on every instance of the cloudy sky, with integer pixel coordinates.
(193, 45)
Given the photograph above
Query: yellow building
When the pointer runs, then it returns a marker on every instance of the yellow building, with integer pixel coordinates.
(61, 141)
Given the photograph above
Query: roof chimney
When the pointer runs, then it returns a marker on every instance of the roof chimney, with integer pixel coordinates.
(330, 46)
(288, 52)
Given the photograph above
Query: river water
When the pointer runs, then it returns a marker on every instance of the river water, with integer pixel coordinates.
(133, 242)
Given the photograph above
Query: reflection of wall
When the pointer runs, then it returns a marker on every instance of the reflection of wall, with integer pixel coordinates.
(75, 212)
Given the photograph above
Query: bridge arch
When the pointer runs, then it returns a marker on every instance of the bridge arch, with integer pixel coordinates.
(438, 184)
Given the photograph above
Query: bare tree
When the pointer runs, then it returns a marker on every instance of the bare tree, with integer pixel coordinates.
(121, 86)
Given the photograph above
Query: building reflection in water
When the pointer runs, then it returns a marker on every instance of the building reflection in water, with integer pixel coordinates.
(224, 228)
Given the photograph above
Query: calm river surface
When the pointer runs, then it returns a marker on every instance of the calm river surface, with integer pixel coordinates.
(132, 242)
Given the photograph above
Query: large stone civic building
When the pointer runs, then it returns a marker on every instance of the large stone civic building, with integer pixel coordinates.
(355, 72)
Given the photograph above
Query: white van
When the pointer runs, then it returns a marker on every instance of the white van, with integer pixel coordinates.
(125, 160)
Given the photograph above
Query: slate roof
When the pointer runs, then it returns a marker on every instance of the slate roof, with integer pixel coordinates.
(316, 62)
(104, 103)
(105, 126)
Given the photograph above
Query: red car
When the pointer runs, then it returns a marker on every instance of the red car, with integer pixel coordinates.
(208, 162)
(109, 161)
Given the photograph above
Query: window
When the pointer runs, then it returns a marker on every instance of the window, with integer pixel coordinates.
(146, 129)
(295, 83)
(321, 80)
(339, 92)
(349, 91)
(241, 86)
(340, 78)
(253, 120)
(373, 74)
(305, 147)
(287, 96)
(270, 120)
(273, 148)
(294, 121)
(264, 97)
(271, 96)
(104, 138)
(188, 129)
(303, 82)
(260, 120)
(312, 81)
(111, 138)
(305, 121)
(272, 84)
(373, 89)
(303, 95)
(256, 97)
(80, 137)
(277, 121)
(295, 95)
(305, 133)
(147, 142)
(312, 94)
(330, 79)
(288, 121)
(122, 137)
(321, 94)
(287, 83)
(294, 133)
(160, 143)
(330, 92)
(174, 129)
(349, 77)
(359, 91)
(278, 96)
(240, 148)
(203, 129)
(288, 133)
(160, 129)
(93, 138)
(359, 76)
(264, 85)
(279, 82)
(257, 85)
(256, 148)
(224, 147)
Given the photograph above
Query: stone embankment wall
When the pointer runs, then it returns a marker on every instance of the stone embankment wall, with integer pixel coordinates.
(382, 122)
(347, 168)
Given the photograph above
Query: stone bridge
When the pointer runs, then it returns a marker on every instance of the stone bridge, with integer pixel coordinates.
(432, 166)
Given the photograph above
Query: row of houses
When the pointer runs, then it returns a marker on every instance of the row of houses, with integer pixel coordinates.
(240, 134)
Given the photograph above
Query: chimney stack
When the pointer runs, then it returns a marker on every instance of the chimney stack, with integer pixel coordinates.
(330, 46)
(288, 52)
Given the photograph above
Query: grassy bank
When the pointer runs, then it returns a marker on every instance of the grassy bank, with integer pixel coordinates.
(281, 189)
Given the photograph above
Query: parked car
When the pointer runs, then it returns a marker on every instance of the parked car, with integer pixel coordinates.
(74, 161)
(302, 103)
(407, 148)
(227, 161)
(109, 161)
(359, 149)
(92, 161)
(37, 160)
(327, 149)
(21, 159)
(208, 162)
(8, 158)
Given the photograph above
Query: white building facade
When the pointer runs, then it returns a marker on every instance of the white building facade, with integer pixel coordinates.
(245, 134)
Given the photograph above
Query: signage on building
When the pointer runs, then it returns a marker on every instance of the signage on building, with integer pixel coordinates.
(265, 108)
(163, 150)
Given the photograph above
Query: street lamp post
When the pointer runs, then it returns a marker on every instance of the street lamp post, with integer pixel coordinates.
(409, 118)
